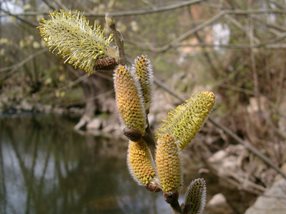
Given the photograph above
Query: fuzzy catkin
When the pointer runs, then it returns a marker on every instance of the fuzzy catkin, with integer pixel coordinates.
(140, 163)
(186, 119)
(69, 35)
(129, 100)
(143, 71)
(195, 198)
(168, 164)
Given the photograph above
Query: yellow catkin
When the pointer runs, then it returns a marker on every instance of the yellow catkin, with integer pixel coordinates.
(143, 70)
(168, 164)
(140, 163)
(69, 35)
(186, 119)
(129, 100)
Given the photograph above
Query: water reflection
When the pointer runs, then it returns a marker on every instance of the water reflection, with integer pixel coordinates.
(45, 167)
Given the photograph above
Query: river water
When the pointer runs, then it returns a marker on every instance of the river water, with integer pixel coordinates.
(46, 167)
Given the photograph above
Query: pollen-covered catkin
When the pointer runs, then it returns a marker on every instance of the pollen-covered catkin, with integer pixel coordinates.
(140, 163)
(129, 100)
(168, 164)
(69, 35)
(186, 119)
(143, 71)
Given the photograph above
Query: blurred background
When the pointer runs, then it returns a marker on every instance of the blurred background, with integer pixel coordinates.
(61, 146)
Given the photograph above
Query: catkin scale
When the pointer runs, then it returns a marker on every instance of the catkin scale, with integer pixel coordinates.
(143, 70)
(140, 164)
(106, 63)
(129, 100)
(69, 35)
(168, 164)
(186, 119)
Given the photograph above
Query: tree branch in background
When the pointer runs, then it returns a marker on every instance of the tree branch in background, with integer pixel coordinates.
(14, 68)
(147, 12)
(48, 3)
(126, 13)
(18, 17)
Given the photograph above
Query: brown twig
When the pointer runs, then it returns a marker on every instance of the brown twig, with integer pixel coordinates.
(48, 3)
(159, 10)
(172, 199)
(117, 38)
(149, 138)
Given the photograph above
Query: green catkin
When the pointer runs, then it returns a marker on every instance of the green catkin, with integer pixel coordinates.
(195, 198)
(186, 119)
(69, 35)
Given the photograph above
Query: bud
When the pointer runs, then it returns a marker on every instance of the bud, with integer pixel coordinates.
(106, 63)
(129, 101)
(186, 119)
(143, 71)
(140, 163)
(69, 35)
(195, 198)
(168, 164)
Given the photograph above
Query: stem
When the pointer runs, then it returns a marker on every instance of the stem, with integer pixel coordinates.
(149, 138)
(172, 199)
(117, 38)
